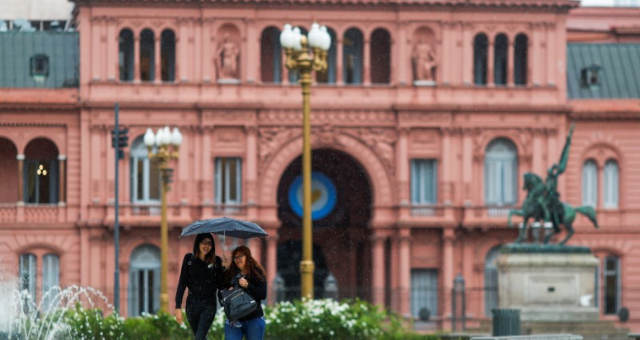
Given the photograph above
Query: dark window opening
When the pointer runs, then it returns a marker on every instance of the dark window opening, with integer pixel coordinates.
(352, 56)
(40, 66)
(147, 56)
(500, 60)
(590, 76)
(520, 61)
(380, 57)
(270, 56)
(125, 55)
(168, 55)
(480, 44)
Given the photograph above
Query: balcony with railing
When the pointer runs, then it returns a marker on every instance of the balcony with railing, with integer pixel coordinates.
(149, 214)
(11, 213)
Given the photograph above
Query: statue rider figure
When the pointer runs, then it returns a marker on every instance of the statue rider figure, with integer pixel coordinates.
(547, 196)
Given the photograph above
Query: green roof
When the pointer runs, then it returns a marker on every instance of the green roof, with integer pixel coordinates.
(18, 48)
(618, 75)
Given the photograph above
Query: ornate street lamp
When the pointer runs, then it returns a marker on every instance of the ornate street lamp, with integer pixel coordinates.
(166, 146)
(306, 55)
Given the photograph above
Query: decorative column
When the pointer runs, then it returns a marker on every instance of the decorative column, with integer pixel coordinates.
(490, 61)
(448, 237)
(208, 45)
(272, 265)
(530, 55)
(252, 171)
(157, 63)
(136, 58)
(447, 155)
(62, 197)
(339, 57)
(511, 53)
(378, 267)
(467, 54)
(402, 164)
(394, 275)
(366, 62)
(404, 241)
(112, 39)
(20, 158)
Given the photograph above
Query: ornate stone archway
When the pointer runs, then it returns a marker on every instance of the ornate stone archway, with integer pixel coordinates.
(373, 149)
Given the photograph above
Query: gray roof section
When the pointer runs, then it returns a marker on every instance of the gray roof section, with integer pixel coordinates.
(619, 70)
(17, 48)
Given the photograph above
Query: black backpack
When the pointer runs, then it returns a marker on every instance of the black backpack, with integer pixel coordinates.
(236, 302)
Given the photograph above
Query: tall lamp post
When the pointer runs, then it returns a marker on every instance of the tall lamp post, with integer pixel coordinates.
(164, 146)
(306, 55)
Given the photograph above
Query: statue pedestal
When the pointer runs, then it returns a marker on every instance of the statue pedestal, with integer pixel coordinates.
(548, 282)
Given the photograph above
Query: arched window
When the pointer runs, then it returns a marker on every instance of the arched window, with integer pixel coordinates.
(500, 59)
(270, 56)
(380, 56)
(501, 173)
(491, 280)
(611, 184)
(125, 54)
(144, 280)
(145, 175)
(50, 279)
(329, 76)
(8, 171)
(590, 183)
(168, 55)
(27, 273)
(520, 62)
(352, 56)
(147, 55)
(40, 172)
(480, 45)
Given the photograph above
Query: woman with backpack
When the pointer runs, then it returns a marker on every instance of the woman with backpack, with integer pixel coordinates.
(202, 272)
(246, 273)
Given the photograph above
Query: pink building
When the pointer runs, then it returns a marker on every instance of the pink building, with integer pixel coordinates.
(429, 115)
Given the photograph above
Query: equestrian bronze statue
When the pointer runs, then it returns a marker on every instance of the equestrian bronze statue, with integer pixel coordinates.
(543, 204)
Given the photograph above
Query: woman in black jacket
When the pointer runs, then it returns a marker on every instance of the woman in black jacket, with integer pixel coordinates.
(247, 273)
(202, 272)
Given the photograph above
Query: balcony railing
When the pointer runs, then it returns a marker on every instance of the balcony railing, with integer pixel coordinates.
(32, 213)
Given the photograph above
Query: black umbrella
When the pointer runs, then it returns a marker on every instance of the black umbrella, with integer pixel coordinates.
(224, 226)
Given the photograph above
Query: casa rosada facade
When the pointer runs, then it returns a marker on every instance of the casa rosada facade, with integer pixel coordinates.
(422, 127)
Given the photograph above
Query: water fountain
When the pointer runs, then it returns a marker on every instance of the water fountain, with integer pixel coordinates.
(23, 318)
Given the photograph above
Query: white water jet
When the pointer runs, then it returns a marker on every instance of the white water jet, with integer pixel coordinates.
(23, 318)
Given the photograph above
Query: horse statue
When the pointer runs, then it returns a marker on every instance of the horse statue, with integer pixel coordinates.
(543, 201)
(531, 209)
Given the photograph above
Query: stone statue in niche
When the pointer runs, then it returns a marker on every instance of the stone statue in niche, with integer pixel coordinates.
(425, 63)
(227, 59)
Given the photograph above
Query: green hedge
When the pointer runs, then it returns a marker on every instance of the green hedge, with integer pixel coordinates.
(306, 319)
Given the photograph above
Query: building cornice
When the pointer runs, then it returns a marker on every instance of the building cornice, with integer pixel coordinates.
(550, 4)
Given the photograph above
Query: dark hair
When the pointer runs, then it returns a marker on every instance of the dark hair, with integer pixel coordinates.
(254, 268)
(196, 247)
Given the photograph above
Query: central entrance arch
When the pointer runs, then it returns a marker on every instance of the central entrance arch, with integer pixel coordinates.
(341, 213)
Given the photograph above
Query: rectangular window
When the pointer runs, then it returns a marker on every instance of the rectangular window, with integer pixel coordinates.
(611, 280)
(228, 180)
(424, 185)
(424, 293)
(27, 273)
(50, 279)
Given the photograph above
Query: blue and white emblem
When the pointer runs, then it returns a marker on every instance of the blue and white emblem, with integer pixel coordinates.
(323, 196)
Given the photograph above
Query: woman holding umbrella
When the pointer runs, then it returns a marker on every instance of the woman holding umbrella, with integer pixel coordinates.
(202, 272)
